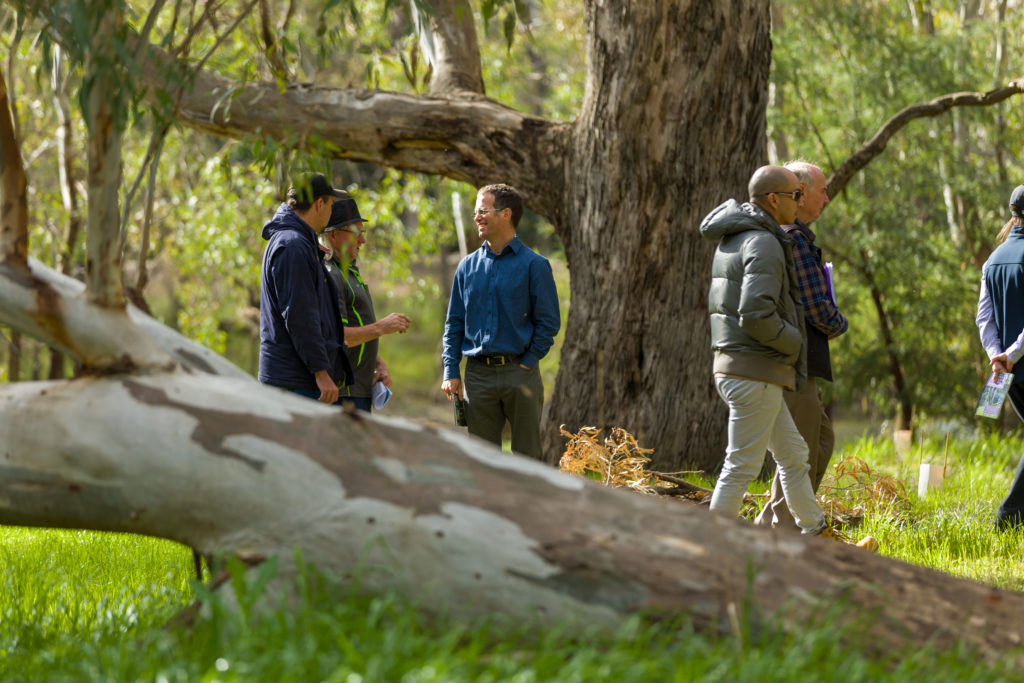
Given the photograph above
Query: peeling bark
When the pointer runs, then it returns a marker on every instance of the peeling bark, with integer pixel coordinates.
(461, 527)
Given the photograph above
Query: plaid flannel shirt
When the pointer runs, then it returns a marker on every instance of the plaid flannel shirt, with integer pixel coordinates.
(810, 275)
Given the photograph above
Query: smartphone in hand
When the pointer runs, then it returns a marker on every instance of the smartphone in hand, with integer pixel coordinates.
(460, 412)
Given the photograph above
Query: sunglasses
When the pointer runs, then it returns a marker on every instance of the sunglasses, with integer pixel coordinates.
(795, 194)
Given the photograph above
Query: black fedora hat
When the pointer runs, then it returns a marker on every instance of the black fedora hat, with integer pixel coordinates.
(344, 213)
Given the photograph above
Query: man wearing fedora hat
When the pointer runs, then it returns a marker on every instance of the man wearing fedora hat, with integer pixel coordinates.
(1000, 322)
(345, 234)
(300, 324)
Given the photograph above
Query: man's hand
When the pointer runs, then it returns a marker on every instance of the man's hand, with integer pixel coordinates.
(328, 389)
(381, 374)
(452, 387)
(525, 367)
(394, 322)
(1001, 363)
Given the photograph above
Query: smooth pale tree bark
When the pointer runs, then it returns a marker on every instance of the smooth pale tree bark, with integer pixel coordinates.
(54, 309)
(454, 53)
(224, 465)
(103, 263)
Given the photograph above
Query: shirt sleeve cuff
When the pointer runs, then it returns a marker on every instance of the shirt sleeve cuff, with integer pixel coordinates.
(452, 372)
(530, 360)
(1014, 353)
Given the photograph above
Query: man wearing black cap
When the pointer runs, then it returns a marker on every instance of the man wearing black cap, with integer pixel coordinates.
(300, 324)
(346, 234)
(1001, 324)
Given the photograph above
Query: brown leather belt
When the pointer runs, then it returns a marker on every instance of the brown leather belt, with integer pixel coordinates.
(496, 359)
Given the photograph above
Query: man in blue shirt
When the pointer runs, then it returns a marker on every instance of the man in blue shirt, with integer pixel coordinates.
(503, 317)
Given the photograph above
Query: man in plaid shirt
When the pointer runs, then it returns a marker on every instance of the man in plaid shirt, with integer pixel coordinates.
(824, 322)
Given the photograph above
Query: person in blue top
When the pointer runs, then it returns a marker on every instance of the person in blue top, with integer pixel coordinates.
(1001, 326)
(301, 337)
(503, 317)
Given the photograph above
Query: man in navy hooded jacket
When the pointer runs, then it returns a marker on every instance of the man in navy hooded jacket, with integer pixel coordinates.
(301, 342)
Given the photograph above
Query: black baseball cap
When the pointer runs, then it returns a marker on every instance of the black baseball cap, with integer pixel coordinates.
(309, 187)
(1017, 201)
(344, 213)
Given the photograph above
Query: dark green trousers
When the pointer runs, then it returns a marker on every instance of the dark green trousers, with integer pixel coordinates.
(495, 394)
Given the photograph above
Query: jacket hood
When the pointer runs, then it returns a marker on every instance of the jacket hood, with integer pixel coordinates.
(732, 217)
(286, 219)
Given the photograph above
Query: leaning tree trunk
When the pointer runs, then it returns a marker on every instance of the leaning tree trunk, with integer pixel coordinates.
(226, 465)
(638, 326)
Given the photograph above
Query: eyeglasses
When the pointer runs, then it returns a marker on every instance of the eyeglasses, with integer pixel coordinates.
(348, 228)
(795, 195)
(484, 212)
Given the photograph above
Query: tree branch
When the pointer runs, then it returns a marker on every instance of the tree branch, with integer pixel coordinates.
(449, 40)
(103, 263)
(475, 140)
(467, 138)
(270, 46)
(50, 306)
(876, 145)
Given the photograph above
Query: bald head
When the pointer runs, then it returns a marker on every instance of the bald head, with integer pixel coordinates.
(773, 188)
(770, 179)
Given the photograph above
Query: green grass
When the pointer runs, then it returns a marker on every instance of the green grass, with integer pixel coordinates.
(78, 606)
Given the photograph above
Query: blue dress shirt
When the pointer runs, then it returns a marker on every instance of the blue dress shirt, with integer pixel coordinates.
(501, 304)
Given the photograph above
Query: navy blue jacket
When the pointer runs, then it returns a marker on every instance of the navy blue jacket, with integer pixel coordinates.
(300, 326)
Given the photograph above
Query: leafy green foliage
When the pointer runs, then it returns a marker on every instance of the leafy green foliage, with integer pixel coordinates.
(917, 223)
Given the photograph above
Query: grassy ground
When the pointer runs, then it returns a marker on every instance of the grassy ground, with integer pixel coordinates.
(80, 606)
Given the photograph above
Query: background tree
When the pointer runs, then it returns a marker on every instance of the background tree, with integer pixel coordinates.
(911, 230)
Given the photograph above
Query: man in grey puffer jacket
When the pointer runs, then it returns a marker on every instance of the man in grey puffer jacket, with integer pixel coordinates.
(758, 338)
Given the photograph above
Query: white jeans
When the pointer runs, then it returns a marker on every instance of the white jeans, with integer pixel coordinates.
(759, 419)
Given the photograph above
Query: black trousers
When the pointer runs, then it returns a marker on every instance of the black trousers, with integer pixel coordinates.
(1011, 510)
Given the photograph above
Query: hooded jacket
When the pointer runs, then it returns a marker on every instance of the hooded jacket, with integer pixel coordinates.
(300, 325)
(757, 321)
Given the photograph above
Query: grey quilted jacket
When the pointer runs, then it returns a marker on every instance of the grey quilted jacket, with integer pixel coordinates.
(757, 321)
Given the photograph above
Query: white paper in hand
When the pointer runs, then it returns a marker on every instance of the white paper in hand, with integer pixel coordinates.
(381, 395)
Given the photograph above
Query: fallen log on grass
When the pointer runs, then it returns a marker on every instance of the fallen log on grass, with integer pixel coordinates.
(226, 465)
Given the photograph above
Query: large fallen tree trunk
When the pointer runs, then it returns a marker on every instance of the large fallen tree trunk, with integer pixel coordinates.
(226, 466)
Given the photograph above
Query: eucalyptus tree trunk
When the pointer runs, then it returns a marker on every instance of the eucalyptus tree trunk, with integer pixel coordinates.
(103, 266)
(637, 351)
